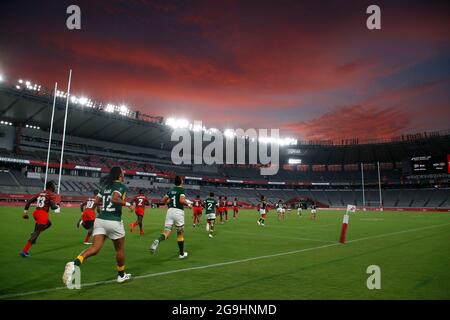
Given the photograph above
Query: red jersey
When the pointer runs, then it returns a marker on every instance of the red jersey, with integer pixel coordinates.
(141, 201)
(222, 203)
(89, 204)
(88, 208)
(235, 204)
(198, 203)
(44, 201)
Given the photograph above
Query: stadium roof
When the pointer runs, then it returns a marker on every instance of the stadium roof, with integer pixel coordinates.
(31, 109)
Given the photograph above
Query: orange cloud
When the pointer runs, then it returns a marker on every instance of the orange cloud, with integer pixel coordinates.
(361, 122)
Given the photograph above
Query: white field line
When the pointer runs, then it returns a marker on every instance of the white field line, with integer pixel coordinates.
(278, 237)
(150, 275)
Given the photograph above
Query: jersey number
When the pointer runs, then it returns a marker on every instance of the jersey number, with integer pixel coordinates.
(174, 201)
(105, 200)
(210, 206)
(90, 204)
(140, 202)
(40, 202)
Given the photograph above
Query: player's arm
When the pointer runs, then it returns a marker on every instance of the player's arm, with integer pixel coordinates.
(147, 202)
(53, 204)
(27, 206)
(185, 201)
(82, 205)
(117, 199)
(98, 202)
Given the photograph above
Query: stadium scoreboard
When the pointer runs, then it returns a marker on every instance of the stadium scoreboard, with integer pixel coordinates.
(430, 164)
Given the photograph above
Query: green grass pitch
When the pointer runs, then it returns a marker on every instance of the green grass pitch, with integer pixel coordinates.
(292, 259)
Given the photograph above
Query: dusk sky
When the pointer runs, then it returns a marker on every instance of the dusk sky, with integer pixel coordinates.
(310, 68)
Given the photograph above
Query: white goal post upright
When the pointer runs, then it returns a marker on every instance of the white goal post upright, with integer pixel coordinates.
(64, 132)
(379, 186)
(50, 136)
(362, 184)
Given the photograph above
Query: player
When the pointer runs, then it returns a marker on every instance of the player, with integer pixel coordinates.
(108, 224)
(210, 205)
(45, 200)
(220, 209)
(299, 209)
(88, 209)
(313, 211)
(235, 208)
(197, 213)
(225, 208)
(140, 201)
(176, 200)
(280, 209)
(262, 206)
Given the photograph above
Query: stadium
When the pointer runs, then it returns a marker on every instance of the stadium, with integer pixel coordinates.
(361, 216)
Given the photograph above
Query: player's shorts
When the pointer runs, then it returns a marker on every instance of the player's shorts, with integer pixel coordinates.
(210, 216)
(197, 211)
(221, 210)
(110, 228)
(174, 217)
(88, 214)
(40, 216)
(139, 211)
(280, 210)
(262, 212)
(313, 211)
(88, 224)
(235, 209)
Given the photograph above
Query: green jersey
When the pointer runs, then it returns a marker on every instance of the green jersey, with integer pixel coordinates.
(110, 211)
(210, 205)
(174, 197)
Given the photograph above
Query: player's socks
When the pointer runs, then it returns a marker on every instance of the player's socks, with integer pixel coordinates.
(181, 247)
(27, 247)
(121, 270)
(180, 240)
(78, 261)
(161, 237)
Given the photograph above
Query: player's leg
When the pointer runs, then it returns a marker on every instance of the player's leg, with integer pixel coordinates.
(211, 227)
(97, 244)
(140, 219)
(168, 224)
(134, 224)
(95, 248)
(42, 224)
(226, 214)
(180, 240)
(263, 218)
(38, 228)
(119, 246)
(89, 226)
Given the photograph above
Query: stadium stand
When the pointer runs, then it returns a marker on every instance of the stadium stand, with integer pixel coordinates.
(329, 173)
